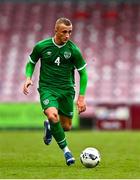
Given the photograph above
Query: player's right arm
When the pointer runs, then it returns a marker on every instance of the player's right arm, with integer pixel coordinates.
(28, 72)
(30, 66)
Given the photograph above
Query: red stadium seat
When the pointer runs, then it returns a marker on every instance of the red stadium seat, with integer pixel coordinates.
(108, 35)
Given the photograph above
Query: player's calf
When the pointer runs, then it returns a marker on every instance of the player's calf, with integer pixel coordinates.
(66, 128)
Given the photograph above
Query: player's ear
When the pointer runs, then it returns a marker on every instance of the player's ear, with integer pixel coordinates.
(55, 29)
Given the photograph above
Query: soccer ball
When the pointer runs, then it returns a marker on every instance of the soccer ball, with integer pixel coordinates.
(90, 157)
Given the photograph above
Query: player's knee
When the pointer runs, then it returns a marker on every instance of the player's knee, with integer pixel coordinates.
(52, 116)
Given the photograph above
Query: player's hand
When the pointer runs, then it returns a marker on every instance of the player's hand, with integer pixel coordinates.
(81, 105)
(26, 85)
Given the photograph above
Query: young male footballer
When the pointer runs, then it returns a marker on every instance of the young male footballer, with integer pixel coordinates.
(59, 58)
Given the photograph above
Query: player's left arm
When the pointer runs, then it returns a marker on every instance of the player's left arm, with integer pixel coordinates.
(80, 65)
(81, 104)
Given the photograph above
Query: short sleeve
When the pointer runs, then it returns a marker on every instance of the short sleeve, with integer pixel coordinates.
(78, 60)
(35, 55)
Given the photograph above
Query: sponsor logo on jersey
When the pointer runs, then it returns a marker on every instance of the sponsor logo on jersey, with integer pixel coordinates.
(67, 54)
(46, 101)
(49, 53)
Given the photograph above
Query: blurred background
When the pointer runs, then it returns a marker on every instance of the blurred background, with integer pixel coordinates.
(108, 34)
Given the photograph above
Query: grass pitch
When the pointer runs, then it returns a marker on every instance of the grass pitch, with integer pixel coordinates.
(24, 155)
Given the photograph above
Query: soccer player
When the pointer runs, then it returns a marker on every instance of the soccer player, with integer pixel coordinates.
(59, 57)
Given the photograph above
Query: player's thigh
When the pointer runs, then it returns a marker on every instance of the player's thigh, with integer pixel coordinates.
(66, 122)
(49, 104)
(66, 105)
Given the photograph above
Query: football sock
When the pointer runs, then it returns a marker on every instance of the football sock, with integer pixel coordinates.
(66, 149)
(58, 134)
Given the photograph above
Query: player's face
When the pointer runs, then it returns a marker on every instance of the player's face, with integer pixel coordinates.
(63, 33)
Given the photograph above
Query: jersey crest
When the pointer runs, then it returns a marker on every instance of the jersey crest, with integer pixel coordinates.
(67, 54)
(46, 101)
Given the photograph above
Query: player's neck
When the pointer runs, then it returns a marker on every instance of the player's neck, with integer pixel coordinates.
(57, 41)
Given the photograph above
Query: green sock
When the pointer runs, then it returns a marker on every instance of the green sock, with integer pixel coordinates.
(58, 133)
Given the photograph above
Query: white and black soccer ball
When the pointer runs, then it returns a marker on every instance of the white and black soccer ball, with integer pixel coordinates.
(90, 157)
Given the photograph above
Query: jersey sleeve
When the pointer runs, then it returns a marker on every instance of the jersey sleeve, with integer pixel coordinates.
(35, 55)
(78, 60)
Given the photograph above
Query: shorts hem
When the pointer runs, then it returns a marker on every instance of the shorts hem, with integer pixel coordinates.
(44, 108)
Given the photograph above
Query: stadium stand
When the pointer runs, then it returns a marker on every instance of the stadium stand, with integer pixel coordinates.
(110, 43)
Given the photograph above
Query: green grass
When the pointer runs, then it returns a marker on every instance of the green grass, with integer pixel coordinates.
(21, 115)
(23, 155)
(25, 115)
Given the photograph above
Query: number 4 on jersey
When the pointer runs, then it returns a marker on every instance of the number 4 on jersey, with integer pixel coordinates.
(57, 61)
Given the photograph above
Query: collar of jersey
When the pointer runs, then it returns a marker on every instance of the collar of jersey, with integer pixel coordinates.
(59, 46)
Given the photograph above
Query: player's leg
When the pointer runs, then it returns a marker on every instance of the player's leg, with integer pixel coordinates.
(65, 116)
(50, 105)
(66, 107)
(58, 133)
(52, 126)
(45, 99)
(66, 122)
(55, 126)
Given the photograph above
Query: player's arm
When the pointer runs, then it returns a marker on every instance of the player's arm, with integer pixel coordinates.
(81, 104)
(30, 66)
(80, 65)
(28, 73)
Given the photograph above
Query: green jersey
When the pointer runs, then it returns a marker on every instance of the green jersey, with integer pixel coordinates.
(57, 63)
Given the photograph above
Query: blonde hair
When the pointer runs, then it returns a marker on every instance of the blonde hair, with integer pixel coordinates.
(64, 21)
